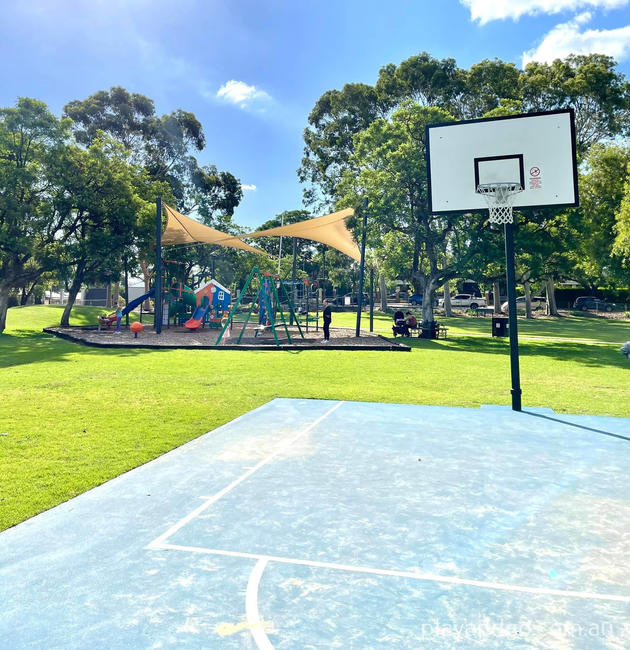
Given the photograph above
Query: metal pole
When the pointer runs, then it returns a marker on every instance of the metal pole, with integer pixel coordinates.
(511, 292)
(293, 273)
(158, 266)
(361, 268)
(280, 251)
(212, 272)
(324, 272)
(126, 291)
(371, 300)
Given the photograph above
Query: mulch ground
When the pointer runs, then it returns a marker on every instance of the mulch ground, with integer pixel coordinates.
(205, 338)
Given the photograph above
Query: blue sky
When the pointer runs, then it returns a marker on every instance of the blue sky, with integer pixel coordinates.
(251, 70)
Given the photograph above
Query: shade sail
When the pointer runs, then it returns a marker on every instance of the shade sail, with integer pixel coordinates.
(330, 230)
(184, 230)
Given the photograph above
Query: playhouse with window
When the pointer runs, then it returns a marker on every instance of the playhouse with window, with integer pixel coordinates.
(219, 297)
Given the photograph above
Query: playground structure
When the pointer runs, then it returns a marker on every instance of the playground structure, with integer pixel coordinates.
(330, 229)
(209, 305)
(267, 294)
(213, 300)
(107, 320)
(182, 304)
(193, 308)
(179, 299)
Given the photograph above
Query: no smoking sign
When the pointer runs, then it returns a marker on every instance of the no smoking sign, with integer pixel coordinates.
(535, 181)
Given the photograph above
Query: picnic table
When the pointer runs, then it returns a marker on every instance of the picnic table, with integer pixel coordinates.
(434, 331)
(484, 311)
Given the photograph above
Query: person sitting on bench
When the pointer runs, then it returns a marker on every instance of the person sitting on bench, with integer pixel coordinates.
(400, 325)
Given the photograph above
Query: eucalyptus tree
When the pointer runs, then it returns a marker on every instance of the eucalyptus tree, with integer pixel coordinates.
(621, 246)
(590, 84)
(390, 159)
(340, 116)
(162, 144)
(107, 208)
(166, 147)
(596, 221)
(32, 216)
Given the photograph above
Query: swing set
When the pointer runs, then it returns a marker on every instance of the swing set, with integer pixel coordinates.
(270, 313)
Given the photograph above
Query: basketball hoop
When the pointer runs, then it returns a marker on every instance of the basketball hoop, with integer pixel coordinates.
(500, 199)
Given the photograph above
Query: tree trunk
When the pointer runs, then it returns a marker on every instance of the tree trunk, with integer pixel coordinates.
(552, 307)
(24, 297)
(4, 305)
(448, 308)
(27, 292)
(528, 299)
(496, 297)
(382, 281)
(144, 267)
(116, 296)
(75, 287)
(427, 301)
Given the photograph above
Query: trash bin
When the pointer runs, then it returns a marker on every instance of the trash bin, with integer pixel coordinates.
(428, 330)
(499, 326)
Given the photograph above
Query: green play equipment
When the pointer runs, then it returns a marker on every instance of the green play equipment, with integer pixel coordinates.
(271, 314)
(179, 298)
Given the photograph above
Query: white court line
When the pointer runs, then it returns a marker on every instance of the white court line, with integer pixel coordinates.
(251, 607)
(429, 577)
(219, 495)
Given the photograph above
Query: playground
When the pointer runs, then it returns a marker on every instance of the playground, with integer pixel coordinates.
(254, 337)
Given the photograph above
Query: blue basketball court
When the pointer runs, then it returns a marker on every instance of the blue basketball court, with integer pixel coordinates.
(317, 524)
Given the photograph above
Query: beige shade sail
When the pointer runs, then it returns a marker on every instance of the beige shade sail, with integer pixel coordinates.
(330, 230)
(184, 230)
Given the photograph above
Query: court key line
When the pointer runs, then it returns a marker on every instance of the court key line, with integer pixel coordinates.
(428, 577)
(159, 541)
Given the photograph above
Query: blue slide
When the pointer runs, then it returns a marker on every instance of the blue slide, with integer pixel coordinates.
(134, 303)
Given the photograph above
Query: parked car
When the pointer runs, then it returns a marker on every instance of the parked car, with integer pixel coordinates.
(464, 300)
(584, 303)
(416, 300)
(538, 302)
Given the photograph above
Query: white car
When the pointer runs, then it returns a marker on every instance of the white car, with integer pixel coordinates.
(464, 300)
(538, 302)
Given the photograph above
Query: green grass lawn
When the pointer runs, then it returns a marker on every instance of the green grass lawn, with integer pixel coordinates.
(72, 417)
(573, 327)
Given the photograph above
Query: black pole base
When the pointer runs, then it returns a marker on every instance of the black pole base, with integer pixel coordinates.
(516, 399)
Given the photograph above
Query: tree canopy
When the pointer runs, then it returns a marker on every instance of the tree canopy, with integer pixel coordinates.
(368, 141)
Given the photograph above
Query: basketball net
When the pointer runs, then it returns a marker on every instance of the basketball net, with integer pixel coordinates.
(500, 199)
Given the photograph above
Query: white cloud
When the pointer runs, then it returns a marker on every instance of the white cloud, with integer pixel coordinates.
(486, 10)
(567, 39)
(251, 188)
(242, 95)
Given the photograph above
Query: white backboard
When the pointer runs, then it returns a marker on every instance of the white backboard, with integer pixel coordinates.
(536, 150)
